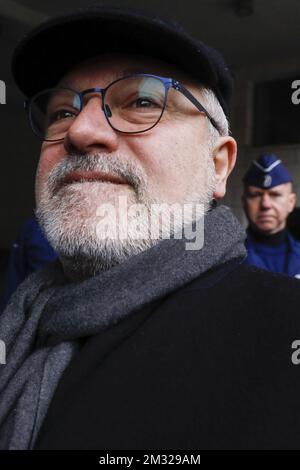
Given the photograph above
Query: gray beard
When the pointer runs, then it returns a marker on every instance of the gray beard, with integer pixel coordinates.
(66, 215)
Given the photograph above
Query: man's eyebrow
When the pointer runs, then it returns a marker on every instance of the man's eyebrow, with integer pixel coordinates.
(124, 73)
(133, 71)
(275, 193)
(254, 192)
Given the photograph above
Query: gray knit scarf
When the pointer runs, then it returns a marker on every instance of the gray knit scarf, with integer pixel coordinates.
(46, 318)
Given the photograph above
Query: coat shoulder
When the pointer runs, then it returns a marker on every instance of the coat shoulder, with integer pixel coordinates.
(249, 287)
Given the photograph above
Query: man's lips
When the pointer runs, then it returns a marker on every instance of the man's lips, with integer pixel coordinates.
(265, 217)
(86, 176)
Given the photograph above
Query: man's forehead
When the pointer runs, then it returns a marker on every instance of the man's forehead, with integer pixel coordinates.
(118, 65)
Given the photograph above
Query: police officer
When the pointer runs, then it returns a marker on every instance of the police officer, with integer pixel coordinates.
(268, 199)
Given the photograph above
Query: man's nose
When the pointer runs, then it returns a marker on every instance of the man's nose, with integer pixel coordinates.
(266, 201)
(90, 130)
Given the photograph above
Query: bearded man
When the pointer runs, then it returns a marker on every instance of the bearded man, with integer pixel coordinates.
(137, 337)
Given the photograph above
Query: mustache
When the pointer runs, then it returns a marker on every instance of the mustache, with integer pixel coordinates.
(114, 164)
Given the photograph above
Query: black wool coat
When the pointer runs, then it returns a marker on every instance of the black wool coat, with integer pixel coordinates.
(212, 365)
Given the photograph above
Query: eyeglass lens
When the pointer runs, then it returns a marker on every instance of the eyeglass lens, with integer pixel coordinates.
(133, 104)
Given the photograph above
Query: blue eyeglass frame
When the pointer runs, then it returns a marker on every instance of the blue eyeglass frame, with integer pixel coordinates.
(167, 82)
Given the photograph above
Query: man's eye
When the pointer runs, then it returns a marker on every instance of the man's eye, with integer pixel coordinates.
(144, 103)
(59, 115)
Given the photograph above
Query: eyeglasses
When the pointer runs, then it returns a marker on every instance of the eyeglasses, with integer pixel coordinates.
(131, 105)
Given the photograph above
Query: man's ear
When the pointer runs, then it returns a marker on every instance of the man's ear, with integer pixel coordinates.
(292, 201)
(224, 156)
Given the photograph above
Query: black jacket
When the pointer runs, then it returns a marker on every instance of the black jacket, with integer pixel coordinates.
(207, 367)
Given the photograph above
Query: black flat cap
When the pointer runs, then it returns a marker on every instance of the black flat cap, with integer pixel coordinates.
(51, 49)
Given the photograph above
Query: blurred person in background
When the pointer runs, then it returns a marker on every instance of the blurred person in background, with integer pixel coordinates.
(30, 252)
